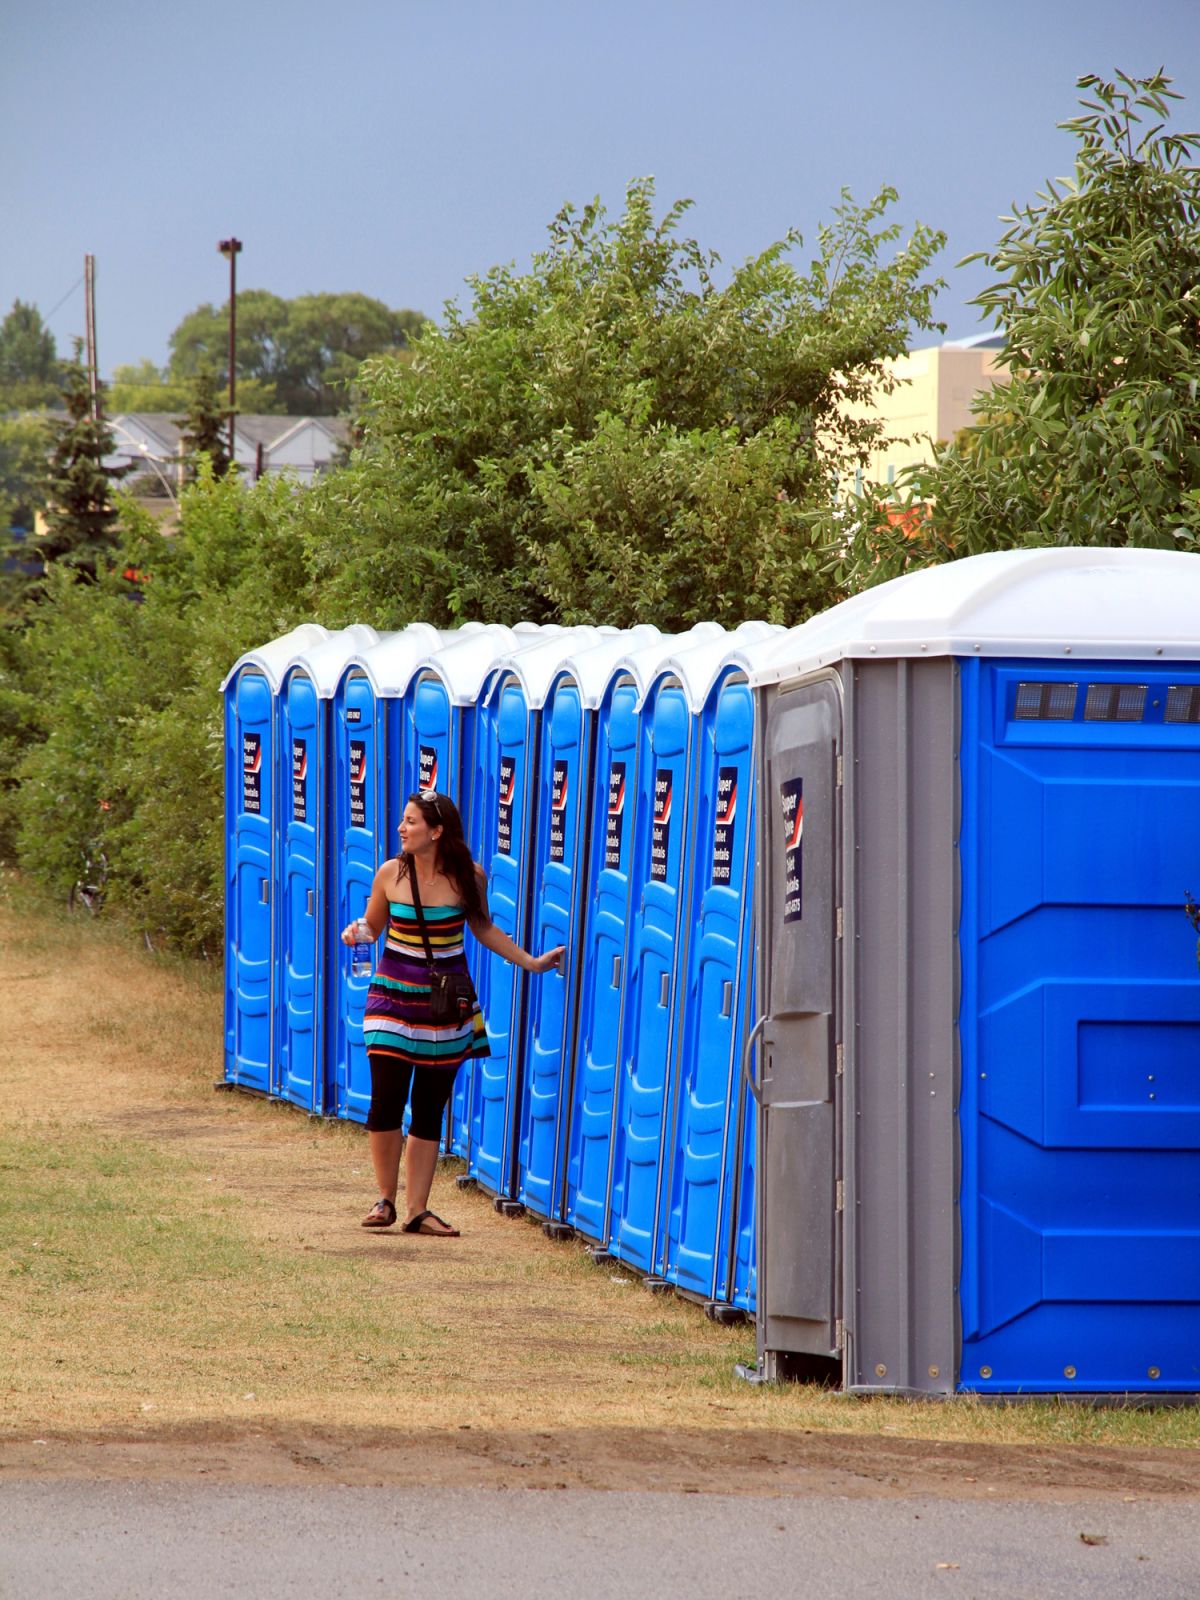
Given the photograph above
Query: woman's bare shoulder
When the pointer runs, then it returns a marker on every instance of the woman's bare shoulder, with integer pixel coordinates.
(389, 882)
(480, 874)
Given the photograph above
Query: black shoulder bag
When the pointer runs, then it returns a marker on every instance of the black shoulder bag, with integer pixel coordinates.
(451, 994)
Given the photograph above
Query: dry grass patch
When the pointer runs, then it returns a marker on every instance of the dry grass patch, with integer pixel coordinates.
(176, 1259)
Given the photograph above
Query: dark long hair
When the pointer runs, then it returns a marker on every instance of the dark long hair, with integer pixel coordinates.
(454, 857)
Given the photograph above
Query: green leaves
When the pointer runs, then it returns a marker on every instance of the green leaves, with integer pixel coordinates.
(1095, 438)
(621, 433)
(617, 429)
(299, 357)
(81, 518)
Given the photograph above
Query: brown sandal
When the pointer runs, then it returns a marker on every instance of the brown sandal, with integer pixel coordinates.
(417, 1225)
(381, 1215)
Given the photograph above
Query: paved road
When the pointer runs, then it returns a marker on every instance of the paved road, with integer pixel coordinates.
(133, 1541)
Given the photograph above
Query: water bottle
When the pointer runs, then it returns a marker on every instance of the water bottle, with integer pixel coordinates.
(360, 961)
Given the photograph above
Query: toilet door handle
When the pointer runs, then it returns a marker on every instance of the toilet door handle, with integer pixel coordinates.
(616, 977)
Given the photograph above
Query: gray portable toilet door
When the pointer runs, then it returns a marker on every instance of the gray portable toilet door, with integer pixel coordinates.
(798, 929)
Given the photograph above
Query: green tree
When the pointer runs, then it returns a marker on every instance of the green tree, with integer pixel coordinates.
(615, 435)
(1095, 440)
(328, 337)
(23, 447)
(30, 372)
(126, 709)
(81, 519)
(145, 388)
(204, 430)
(295, 357)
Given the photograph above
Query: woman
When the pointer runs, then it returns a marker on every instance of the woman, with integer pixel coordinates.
(403, 1043)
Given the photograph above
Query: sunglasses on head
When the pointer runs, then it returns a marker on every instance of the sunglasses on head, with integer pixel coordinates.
(430, 798)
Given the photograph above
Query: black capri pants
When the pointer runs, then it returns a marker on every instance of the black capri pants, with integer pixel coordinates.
(390, 1079)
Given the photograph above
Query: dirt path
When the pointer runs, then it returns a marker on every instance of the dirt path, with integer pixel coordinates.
(688, 1460)
(234, 1321)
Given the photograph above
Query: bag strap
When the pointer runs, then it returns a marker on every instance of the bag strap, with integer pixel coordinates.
(420, 910)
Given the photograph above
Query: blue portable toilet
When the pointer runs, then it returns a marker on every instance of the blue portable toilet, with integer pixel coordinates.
(704, 1152)
(507, 781)
(566, 692)
(601, 960)
(658, 944)
(741, 1286)
(434, 743)
(434, 747)
(642, 976)
(306, 876)
(978, 1160)
(365, 713)
(250, 689)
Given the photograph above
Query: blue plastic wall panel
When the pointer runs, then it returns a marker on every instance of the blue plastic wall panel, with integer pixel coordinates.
(301, 759)
(601, 959)
(430, 757)
(700, 1145)
(425, 756)
(472, 764)
(558, 862)
(356, 848)
(466, 789)
(423, 753)
(504, 735)
(742, 1290)
(1080, 1028)
(656, 953)
(249, 813)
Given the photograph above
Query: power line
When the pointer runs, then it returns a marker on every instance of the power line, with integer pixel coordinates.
(67, 296)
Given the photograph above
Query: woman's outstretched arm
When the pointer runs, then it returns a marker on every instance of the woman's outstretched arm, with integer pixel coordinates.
(493, 938)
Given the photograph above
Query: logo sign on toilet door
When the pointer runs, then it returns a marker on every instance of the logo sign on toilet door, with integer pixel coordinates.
(427, 767)
(792, 794)
(558, 811)
(508, 789)
(616, 810)
(358, 784)
(252, 772)
(727, 778)
(660, 839)
(299, 780)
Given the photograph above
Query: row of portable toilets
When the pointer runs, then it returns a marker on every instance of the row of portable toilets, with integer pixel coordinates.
(880, 1017)
(606, 785)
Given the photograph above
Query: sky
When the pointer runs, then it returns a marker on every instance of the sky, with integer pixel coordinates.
(396, 147)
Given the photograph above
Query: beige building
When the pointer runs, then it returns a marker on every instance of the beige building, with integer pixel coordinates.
(931, 402)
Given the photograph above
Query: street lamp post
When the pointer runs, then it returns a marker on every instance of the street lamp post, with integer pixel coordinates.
(230, 248)
(140, 451)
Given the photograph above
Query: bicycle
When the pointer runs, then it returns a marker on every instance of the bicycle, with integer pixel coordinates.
(89, 889)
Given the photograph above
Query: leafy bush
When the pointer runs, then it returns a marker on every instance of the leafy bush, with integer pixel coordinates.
(1095, 438)
(609, 437)
(127, 704)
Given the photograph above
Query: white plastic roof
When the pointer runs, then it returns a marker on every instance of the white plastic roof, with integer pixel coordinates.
(465, 662)
(272, 659)
(698, 666)
(536, 660)
(643, 661)
(389, 663)
(591, 666)
(325, 660)
(1062, 603)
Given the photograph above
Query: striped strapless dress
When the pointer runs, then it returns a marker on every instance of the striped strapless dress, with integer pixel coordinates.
(396, 1020)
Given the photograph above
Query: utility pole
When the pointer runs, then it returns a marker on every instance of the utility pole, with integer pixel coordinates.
(89, 298)
(230, 248)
